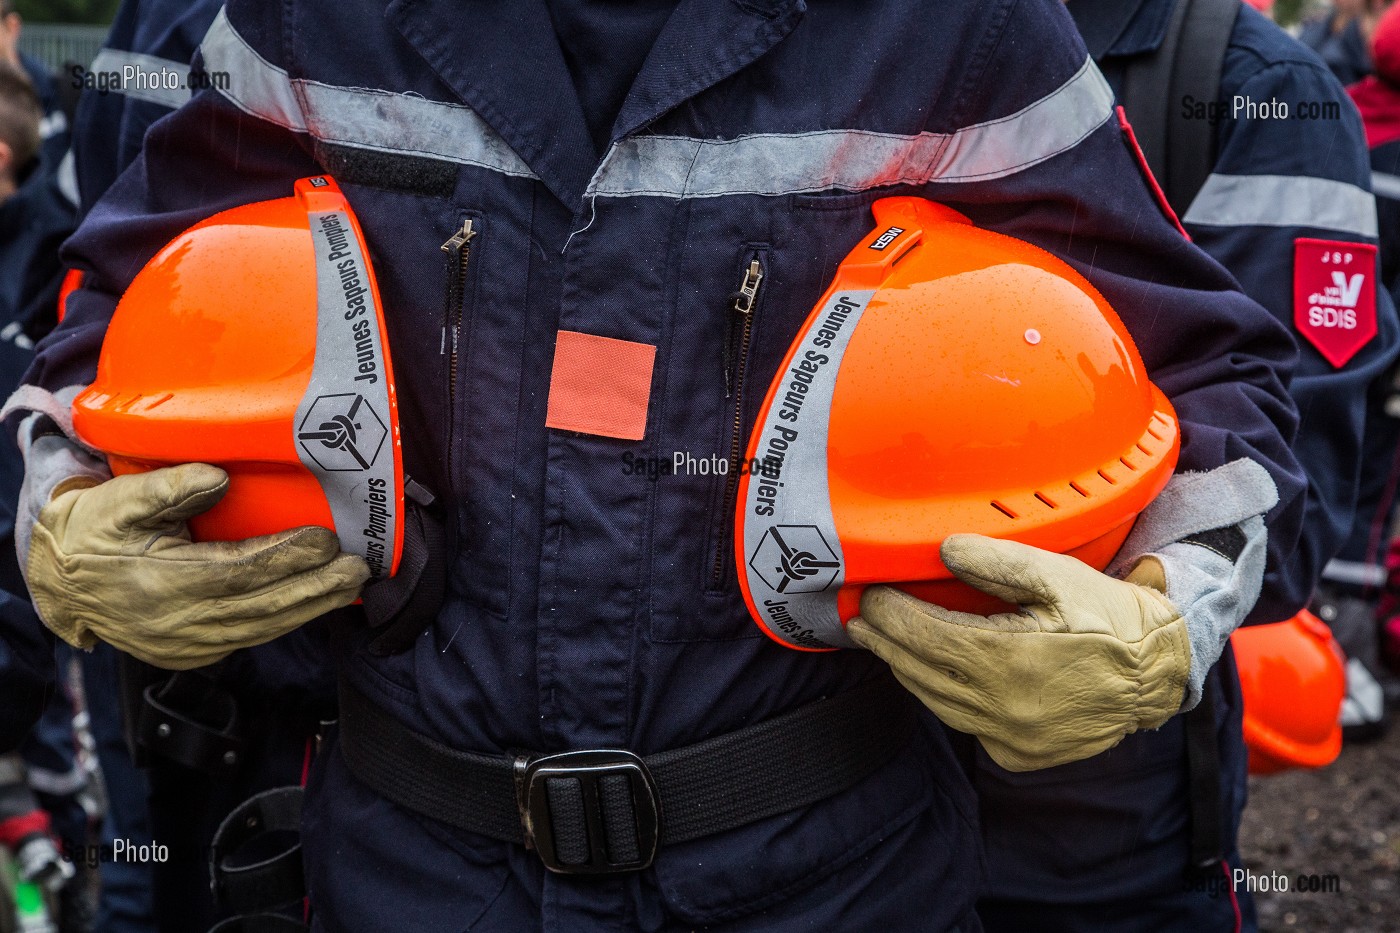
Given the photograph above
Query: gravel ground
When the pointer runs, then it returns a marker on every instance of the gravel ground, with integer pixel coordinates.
(1337, 826)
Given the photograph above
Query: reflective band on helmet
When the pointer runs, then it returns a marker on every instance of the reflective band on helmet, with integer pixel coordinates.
(343, 421)
(793, 558)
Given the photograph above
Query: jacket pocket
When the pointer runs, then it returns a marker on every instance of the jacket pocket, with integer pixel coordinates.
(459, 281)
(722, 351)
(739, 330)
(692, 465)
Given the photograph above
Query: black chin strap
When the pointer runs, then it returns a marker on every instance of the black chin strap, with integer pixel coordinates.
(402, 607)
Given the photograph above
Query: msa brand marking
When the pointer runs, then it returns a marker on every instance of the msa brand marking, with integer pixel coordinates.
(886, 238)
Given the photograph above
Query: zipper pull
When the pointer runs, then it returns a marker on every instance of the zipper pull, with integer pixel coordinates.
(459, 239)
(748, 289)
(744, 300)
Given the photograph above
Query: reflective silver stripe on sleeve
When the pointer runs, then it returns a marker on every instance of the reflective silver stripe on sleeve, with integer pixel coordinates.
(343, 430)
(1386, 186)
(1283, 201)
(1354, 572)
(668, 166)
(256, 86)
(143, 77)
(793, 559)
(52, 124)
(67, 178)
(364, 118)
(856, 160)
(56, 783)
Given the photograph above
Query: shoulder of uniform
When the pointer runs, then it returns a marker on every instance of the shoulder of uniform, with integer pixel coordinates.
(1386, 158)
(1258, 48)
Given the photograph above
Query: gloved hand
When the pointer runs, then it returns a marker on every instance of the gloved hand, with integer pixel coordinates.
(114, 561)
(1087, 660)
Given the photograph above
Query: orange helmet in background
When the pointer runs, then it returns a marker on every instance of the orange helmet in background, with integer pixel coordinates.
(950, 380)
(254, 341)
(1293, 677)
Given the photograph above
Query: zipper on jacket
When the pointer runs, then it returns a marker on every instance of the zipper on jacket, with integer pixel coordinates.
(741, 316)
(458, 250)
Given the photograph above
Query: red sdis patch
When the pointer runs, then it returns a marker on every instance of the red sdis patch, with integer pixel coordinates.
(1334, 296)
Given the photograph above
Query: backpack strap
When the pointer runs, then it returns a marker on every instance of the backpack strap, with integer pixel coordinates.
(1180, 151)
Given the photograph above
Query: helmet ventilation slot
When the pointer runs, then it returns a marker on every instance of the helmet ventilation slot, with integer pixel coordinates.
(1005, 510)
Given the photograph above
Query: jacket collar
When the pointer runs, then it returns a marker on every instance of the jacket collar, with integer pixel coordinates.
(703, 43)
(1120, 28)
(502, 59)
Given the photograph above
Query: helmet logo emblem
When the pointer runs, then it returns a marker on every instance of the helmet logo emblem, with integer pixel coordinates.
(795, 559)
(886, 238)
(342, 432)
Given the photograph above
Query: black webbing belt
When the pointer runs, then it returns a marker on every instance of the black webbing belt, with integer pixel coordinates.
(604, 811)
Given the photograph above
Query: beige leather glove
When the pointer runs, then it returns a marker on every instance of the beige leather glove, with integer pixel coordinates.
(114, 561)
(1087, 660)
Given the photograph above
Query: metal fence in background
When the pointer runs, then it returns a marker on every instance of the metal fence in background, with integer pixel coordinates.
(57, 44)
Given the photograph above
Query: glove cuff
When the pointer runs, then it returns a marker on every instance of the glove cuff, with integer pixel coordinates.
(1163, 677)
(44, 571)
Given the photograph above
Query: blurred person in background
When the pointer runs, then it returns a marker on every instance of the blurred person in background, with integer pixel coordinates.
(1366, 576)
(660, 664)
(31, 225)
(53, 128)
(1154, 821)
(280, 692)
(1342, 37)
(27, 830)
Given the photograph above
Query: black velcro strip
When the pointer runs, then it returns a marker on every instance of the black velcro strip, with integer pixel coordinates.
(1227, 542)
(390, 170)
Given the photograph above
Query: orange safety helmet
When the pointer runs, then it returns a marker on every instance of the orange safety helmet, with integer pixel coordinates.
(255, 341)
(1293, 677)
(950, 380)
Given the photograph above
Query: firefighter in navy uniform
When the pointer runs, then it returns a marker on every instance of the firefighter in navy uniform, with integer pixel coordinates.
(1147, 830)
(618, 175)
(281, 690)
(1358, 578)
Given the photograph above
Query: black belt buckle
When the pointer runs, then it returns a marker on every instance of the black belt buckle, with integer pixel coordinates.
(590, 812)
